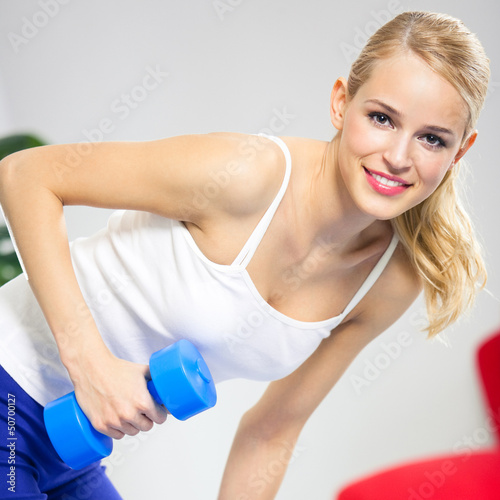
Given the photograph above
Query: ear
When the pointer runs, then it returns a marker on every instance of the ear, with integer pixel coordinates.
(338, 101)
(466, 146)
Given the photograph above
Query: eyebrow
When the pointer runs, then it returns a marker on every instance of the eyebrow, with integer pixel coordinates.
(395, 112)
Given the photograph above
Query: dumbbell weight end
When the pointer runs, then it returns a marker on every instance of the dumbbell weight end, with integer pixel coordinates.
(73, 437)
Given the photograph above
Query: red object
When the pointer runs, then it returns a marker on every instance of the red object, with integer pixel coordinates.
(488, 358)
(458, 476)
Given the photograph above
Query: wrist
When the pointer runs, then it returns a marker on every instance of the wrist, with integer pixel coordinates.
(81, 349)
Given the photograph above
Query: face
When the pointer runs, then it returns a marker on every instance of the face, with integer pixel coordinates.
(401, 133)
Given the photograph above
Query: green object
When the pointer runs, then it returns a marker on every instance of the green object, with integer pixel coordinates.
(13, 143)
(9, 263)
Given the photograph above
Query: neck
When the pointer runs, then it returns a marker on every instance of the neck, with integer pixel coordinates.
(331, 216)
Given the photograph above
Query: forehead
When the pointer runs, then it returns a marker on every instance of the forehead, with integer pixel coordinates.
(409, 85)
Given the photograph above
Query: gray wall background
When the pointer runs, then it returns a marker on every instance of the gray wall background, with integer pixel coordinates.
(240, 65)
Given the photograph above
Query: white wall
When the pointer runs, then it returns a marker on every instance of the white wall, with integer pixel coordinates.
(5, 124)
(236, 70)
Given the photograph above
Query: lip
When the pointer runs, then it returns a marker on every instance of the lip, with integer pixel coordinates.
(382, 188)
(390, 177)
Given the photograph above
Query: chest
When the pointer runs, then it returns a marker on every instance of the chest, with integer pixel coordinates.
(309, 285)
(312, 284)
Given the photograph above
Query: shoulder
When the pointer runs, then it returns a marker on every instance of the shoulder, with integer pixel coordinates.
(250, 169)
(246, 172)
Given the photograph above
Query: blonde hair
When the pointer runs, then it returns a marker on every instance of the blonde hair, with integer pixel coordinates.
(437, 234)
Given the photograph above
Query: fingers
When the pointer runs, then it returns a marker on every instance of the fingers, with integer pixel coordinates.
(120, 427)
(138, 417)
(118, 402)
(132, 428)
(113, 433)
(158, 414)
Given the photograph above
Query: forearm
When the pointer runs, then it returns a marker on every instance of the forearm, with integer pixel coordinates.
(256, 464)
(35, 215)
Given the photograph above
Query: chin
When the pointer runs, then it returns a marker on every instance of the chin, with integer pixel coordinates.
(386, 216)
(382, 211)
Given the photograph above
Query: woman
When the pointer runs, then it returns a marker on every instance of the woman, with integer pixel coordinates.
(280, 258)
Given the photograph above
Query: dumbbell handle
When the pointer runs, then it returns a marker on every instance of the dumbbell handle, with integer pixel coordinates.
(154, 393)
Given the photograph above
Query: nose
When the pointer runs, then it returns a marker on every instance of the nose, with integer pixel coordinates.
(398, 152)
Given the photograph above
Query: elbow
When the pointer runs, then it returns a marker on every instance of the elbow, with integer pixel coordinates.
(12, 159)
(276, 441)
(9, 167)
(17, 171)
(6, 172)
(14, 179)
(271, 426)
(5, 164)
(30, 169)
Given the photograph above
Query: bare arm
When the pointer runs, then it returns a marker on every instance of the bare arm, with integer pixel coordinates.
(267, 432)
(158, 176)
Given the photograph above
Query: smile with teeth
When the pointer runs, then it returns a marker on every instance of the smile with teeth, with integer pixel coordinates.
(385, 186)
(385, 181)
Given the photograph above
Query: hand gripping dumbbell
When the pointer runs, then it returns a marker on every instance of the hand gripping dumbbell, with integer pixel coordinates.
(180, 380)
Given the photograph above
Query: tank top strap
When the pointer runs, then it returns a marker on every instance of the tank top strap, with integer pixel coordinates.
(373, 276)
(255, 238)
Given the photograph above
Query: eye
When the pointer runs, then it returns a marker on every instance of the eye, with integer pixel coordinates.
(380, 119)
(433, 141)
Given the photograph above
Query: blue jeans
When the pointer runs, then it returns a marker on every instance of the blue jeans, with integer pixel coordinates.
(30, 468)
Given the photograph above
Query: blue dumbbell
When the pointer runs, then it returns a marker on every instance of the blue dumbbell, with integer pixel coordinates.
(180, 380)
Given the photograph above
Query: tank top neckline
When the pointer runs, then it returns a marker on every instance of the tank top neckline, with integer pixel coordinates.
(240, 263)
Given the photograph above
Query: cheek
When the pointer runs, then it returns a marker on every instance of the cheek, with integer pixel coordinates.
(360, 138)
(432, 170)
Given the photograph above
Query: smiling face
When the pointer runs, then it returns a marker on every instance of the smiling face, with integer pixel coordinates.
(401, 133)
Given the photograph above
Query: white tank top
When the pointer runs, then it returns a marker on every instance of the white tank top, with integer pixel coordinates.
(147, 285)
